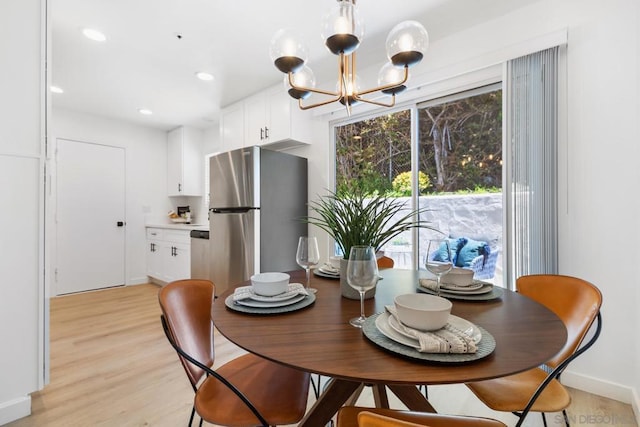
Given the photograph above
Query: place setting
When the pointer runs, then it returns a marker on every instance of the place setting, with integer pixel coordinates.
(421, 327)
(330, 269)
(270, 293)
(460, 286)
(453, 282)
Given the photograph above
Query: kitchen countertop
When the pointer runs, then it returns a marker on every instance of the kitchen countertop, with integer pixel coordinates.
(180, 226)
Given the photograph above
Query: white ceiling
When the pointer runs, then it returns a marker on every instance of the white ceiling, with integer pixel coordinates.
(143, 63)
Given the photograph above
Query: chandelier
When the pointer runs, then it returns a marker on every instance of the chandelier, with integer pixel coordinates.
(343, 31)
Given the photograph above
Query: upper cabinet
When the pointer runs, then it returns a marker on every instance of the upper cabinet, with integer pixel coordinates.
(270, 118)
(232, 127)
(184, 162)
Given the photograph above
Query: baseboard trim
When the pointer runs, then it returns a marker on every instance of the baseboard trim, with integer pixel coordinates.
(138, 280)
(602, 388)
(15, 409)
(636, 404)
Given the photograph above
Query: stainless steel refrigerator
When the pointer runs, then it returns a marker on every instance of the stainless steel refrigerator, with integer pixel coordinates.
(258, 198)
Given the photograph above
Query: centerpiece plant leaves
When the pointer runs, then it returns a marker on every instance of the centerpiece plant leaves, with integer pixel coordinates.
(355, 218)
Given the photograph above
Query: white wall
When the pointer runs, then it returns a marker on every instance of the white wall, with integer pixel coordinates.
(146, 175)
(599, 175)
(22, 117)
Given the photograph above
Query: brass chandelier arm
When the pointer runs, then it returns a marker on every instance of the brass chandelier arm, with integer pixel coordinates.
(319, 104)
(310, 89)
(381, 104)
(387, 86)
(336, 96)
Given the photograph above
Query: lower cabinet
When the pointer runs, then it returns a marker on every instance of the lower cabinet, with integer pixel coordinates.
(168, 254)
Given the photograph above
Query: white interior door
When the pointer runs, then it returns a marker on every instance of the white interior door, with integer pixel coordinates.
(90, 216)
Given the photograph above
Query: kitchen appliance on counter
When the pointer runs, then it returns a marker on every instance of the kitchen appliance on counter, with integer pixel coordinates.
(258, 198)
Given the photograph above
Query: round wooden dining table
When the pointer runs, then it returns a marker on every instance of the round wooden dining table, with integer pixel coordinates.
(319, 339)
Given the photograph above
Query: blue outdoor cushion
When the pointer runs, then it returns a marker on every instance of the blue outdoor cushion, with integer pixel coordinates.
(470, 250)
(454, 247)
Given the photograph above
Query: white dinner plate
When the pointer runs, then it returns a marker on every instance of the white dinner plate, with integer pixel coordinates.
(317, 272)
(248, 293)
(472, 287)
(275, 298)
(331, 271)
(458, 322)
(270, 304)
(382, 323)
(484, 289)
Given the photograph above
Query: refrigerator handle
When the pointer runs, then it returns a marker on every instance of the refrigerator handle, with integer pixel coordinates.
(230, 210)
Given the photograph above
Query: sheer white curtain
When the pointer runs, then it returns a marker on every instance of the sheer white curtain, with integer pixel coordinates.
(531, 176)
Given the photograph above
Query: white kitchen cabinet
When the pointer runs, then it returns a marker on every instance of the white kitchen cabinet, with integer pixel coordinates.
(232, 129)
(168, 254)
(269, 118)
(273, 119)
(154, 253)
(184, 162)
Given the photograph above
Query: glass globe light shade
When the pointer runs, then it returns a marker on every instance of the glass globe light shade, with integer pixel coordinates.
(407, 43)
(303, 78)
(342, 29)
(287, 51)
(390, 74)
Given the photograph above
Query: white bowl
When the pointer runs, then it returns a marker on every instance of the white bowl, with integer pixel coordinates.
(270, 284)
(459, 277)
(423, 311)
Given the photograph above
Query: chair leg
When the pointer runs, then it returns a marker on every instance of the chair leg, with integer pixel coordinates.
(425, 390)
(566, 417)
(193, 412)
(315, 387)
(201, 420)
(544, 419)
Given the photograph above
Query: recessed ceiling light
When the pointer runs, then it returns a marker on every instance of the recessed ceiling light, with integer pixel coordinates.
(94, 34)
(56, 89)
(145, 111)
(202, 75)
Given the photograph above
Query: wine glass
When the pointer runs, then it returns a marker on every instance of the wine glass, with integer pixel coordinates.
(439, 260)
(362, 275)
(308, 256)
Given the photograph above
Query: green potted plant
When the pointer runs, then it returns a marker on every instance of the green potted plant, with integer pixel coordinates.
(355, 217)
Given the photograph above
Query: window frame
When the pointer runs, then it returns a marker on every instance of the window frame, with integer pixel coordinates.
(469, 84)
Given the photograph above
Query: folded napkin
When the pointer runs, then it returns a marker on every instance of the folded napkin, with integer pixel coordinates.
(446, 340)
(329, 269)
(431, 285)
(246, 292)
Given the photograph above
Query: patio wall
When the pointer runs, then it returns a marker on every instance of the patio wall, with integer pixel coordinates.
(473, 216)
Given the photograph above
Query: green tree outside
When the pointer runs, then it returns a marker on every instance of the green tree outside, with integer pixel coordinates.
(460, 149)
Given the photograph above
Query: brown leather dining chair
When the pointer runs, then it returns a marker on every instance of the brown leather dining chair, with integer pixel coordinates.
(577, 303)
(385, 262)
(248, 390)
(353, 416)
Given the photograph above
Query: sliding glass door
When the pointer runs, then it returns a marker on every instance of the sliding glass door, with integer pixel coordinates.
(460, 160)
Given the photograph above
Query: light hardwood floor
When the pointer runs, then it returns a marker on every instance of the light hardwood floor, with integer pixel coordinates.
(111, 366)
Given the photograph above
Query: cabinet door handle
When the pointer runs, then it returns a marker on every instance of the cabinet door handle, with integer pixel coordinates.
(179, 188)
(266, 132)
(261, 134)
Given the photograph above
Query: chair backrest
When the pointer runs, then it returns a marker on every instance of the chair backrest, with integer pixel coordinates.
(391, 418)
(369, 419)
(385, 262)
(186, 306)
(575, 301)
